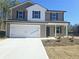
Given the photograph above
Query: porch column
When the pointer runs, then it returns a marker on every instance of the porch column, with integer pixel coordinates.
(55, 31)
(66, 30)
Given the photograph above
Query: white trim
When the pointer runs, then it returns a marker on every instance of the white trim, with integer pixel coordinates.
(25, 23)
(55, 31)
(57, 24)
(64, 24)
(45, 31)
(38, 5)
(66, 30)
(6, 29)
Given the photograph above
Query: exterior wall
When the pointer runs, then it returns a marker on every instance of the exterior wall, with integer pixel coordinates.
(63, 30)
(9, 15)
(42, 28)
(36, 7)
(47, 17)
(19, 8)
(52, 29)
(60, 16)
(7, 29)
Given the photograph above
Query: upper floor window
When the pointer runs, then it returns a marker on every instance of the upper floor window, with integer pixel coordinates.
(54, 16)
(20, 14)
(36, 14)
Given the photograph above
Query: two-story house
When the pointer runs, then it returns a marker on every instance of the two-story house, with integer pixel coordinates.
(33, 20)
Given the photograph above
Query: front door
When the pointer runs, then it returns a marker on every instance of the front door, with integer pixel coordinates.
(47, 31)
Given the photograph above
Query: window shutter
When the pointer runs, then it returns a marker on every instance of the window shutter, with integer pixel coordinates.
(60, 29)
(23, 15)
(51, 16)
(56, 16)
(39, 14)
(32, 14)
(16, 14)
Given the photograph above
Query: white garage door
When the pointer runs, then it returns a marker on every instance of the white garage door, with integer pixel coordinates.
(24, 31)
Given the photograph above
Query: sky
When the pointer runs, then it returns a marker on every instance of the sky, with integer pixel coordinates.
(71, 6)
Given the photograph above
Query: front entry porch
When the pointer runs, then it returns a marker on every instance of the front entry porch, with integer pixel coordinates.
(56, 29)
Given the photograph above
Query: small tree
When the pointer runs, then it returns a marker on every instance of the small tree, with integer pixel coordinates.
(4, 8)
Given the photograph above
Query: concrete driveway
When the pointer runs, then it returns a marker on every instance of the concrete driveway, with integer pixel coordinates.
(21, 48)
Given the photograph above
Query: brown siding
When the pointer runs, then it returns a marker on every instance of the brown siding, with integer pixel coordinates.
(22, 8)
(63, 30)
(47, 16)
(18, 9)
(60, 16)
(8, 30)
(43, 31)
(52, 29)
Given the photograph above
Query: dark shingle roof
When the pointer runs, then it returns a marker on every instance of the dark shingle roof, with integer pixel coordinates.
(28, 4)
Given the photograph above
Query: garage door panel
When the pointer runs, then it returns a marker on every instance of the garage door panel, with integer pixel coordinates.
(24, 30)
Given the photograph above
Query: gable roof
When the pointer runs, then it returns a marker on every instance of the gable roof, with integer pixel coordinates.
(27, 4)
(37, 4)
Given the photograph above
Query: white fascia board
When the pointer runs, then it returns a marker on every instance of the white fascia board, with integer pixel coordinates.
(64, 24)
(38, 6)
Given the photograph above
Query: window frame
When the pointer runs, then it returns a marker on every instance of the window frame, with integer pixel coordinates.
(20, 16)
(54, 16)
(58, 29)
(36, 14)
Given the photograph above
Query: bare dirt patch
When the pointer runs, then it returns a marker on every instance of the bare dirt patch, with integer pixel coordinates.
(63, 52)
(62, 49)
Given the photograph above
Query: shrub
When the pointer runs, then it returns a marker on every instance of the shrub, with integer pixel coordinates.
(71, 39)
(58, 40)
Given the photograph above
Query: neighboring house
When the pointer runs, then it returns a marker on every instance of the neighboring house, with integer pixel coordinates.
(33, 20)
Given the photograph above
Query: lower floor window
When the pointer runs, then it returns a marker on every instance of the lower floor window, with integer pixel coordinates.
(58, 29)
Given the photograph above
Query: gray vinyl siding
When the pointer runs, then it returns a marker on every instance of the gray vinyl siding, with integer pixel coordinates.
(14, 11)
(19, 8)
(8, 30)
(52, 29)
(43, 30)
(60, 16)
(47, 17)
